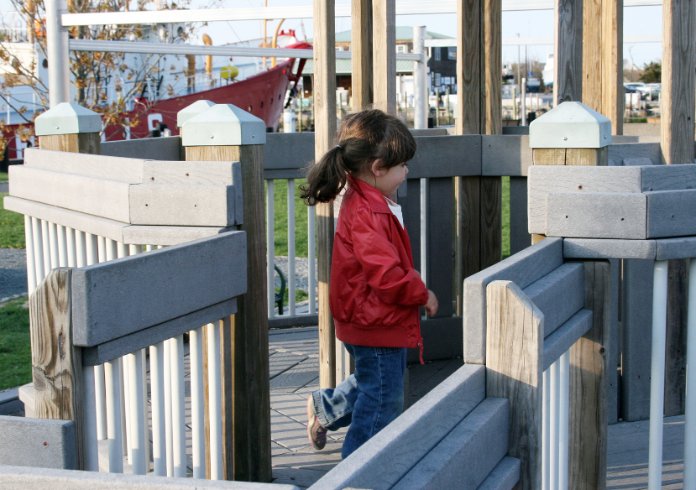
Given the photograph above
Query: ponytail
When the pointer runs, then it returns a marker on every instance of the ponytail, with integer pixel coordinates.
(326, 179)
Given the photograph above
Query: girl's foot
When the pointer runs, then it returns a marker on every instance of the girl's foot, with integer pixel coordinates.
(316, 433)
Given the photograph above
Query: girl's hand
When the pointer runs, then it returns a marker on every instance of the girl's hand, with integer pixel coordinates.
(432, 304)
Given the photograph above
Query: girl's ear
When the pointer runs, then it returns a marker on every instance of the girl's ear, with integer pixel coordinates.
(377, 168)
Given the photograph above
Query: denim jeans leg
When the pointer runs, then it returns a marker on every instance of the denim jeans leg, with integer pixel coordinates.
(334, 406)
(379, 373)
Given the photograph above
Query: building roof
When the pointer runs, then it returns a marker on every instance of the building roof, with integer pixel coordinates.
(403, 34)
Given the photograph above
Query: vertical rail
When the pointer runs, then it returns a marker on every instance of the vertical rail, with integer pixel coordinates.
(553, 418)
(424, 229)
(138, 452)
(270, 249)
(89, 435)
(29, 241)
(178, 406)
(157, 382)
(690, 413)
(112, 377)
(214, 402)
(563, 419)
(291, 246)
(39, 271)
(311, 259)
(546, 432)
(168, 433)
(197, 406)
(657, 373)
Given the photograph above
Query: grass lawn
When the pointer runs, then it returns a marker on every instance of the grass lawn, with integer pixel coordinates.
(3, 176)
(11, 227)
(15, 350)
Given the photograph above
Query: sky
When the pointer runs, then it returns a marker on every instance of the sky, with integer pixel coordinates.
(531, 30)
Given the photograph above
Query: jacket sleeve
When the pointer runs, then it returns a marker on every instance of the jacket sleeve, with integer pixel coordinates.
(393, 281)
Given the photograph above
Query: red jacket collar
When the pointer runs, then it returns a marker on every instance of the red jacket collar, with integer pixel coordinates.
(372, 195)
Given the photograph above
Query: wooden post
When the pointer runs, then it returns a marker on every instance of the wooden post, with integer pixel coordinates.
(227, 133)
(515, 324)
(56, 364)
(677, 138)
(568, 48)
(361, 63)
(602, 59)
(384, 53)
(69, 127)
(589, 384)
(324, 134)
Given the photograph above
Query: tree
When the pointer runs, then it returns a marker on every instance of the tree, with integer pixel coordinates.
(106, 83)
(652, 72)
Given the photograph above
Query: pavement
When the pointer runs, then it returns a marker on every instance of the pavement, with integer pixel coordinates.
(13, 273)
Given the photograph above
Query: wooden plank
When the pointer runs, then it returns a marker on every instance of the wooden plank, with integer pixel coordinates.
(549, 156)
(514, 324)
(596, 215)
(162, 285)
(468, 198)
(184, 205)
(72, 143)
(598, 248)
(384, 55)
(491, 220)
(250, 458)
(621, 152)
(519, 237)
(558, 343)
(588, 385)
(34, 442)
(568, 49)
(440, 243)
(361, 61)
(676, 248)
(677, 99)
(523, 268)
(613, 99)
(446, 156)
(325, 129)
(587, 156)
(288, 150)
(503, 155)
(671, 213)
(636, 318)
(668, 177)
(677, 327)
(558, 295)
(152, 148)
(469, 51)
(99, 197)
(491, 57)
(56, 364)
(112, 168)
(191, 173)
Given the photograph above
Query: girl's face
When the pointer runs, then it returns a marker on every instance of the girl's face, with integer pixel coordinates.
(388, 180)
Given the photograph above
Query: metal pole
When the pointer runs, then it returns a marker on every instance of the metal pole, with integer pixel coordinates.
(657, 374)
(420, 95)
(57, 54)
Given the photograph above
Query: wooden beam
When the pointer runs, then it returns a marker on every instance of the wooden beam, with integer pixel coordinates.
(589, 385)
(384, 49)
(361, 62)
(56, 363)
(514, 324)
(324, 134)
(468, 117)
(568, 48)
(491, 22)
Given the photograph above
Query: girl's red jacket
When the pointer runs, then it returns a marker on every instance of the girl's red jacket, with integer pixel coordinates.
(375, 292)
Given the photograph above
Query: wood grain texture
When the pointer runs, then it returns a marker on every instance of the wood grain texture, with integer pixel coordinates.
(384, 55)
(491, 220)
(568, 47)
(589, 385)
(515, 325)
(468, 117)
(73, 143)
(56, 363)
(361, 62)
(491, 56)
(250, 457)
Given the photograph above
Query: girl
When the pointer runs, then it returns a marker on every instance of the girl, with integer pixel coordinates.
(375, 293)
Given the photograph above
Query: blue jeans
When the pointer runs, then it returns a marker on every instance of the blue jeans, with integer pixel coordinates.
(368, 399)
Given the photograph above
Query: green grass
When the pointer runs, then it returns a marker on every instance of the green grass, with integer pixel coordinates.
(506, 217)
(11, 227)
(3, 176)
(280, 228)
(15, 347)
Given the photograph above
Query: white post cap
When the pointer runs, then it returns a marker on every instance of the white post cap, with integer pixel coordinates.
(192, 110)
(223, 125)
(570, 125)
(67, 118)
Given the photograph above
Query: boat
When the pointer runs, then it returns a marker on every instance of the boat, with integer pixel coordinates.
(263, 94)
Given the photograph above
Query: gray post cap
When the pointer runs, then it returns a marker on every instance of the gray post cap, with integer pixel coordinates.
(67, 118)
(192, 110)
(570, 125)
(223, 125)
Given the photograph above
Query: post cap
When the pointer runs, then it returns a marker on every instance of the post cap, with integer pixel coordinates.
(67, 118)
(192, 110)
(570, 125)
(223, 125)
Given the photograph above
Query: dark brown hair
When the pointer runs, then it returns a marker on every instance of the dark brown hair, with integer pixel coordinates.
(363, 137)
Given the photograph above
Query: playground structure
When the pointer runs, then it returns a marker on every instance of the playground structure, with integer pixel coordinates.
(463, 172)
